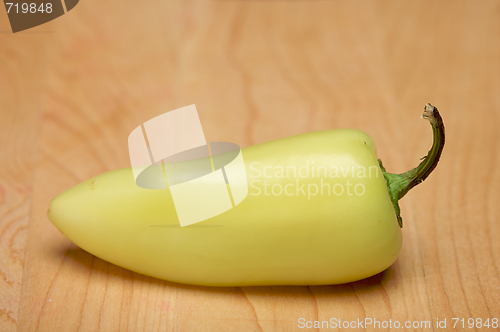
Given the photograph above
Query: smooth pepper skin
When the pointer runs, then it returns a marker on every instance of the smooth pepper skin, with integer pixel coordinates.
(292, 238)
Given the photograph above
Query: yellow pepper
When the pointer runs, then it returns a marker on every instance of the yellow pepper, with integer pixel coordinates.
(320, 209)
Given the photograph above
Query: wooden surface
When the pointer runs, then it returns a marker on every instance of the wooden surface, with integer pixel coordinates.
(72, 90)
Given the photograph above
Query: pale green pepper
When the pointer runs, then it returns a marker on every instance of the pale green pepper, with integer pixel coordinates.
(320, 210)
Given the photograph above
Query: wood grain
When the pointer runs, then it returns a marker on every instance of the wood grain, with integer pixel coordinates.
(22, 74)
(257, 71)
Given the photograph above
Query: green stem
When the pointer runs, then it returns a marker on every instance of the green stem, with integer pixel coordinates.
(400, 184)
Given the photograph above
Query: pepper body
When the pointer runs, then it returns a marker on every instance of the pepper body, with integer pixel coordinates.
(295, 227)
